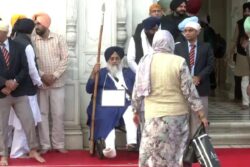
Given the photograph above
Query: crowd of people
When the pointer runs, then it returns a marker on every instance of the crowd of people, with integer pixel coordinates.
(173, 58)
(33, 62)
(167, 87)
(163, 90)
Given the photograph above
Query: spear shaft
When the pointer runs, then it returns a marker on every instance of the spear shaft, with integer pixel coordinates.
(92, 127)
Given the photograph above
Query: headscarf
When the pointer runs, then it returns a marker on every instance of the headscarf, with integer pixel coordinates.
(4, 26)
(182, 24)
(150, 23)
(16, 17)
(43, 18)
(163, 42)
(24, 26)
(193, 25)
(109, 51)
(247, 25)
(176, 3)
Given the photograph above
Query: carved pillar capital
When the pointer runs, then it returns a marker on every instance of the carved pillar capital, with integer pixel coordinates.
(71, 36)
(121, 23)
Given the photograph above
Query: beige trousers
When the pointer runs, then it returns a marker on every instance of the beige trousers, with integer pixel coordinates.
(194, 121)
(23, 111)
(52, 104)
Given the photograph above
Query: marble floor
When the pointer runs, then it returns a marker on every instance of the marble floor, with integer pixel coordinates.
(221, 108)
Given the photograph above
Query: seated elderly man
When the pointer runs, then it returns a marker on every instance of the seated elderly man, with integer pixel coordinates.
(115, 82)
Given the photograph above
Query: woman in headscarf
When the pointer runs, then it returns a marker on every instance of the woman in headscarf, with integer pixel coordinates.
(164, 82)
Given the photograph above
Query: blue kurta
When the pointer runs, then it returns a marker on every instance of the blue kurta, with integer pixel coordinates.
(107, 118)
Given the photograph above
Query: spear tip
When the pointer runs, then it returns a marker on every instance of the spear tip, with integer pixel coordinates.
(103, 7)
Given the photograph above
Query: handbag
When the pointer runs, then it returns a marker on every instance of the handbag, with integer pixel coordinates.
(201, 149)
(189, 155)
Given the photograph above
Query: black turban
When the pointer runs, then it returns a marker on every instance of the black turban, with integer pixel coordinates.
(24, 26)
(109, 51)
(150, 23)
(176, 3)
(246, 5)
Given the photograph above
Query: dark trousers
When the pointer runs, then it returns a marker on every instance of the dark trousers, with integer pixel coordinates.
(237, 88)
(185, 164)
(213, 83)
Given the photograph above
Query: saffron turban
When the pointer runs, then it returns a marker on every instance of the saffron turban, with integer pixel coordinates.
(16, 17)
(109, 51)
(247, 25)
(24, 26)
(182, 24)
(176, 3)
(193, 25)
(153, 7)
(150, 23)
(43, 18)
(4, 26)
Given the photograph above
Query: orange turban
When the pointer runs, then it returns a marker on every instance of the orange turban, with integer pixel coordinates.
(43, 18)
(154, 6)
(16, 17)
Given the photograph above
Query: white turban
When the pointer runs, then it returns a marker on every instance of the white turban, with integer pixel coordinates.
(183, 23)
(4, 26)
(193, 25)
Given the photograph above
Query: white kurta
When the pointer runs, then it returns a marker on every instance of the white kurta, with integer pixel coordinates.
(147, 48)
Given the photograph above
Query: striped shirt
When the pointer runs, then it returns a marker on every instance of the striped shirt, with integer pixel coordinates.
(52, 56)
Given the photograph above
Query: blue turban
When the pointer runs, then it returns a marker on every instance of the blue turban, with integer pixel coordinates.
(182, 24)
(150, 23)
(109, 51)
(176, 3)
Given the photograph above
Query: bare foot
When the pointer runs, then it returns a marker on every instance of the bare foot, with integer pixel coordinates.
(62, 150)
(4, 161)
(34, 154)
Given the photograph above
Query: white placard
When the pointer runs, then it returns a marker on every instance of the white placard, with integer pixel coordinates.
(115, 98)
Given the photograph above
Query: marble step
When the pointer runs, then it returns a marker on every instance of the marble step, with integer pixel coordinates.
(230, 134)
(230, 140)
(229, 127)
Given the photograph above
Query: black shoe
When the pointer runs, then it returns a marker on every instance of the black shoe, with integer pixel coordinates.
(132, 147)
(100, 146)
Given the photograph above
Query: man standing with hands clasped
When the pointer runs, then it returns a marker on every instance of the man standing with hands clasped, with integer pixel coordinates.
(52, 58)
(200, 59)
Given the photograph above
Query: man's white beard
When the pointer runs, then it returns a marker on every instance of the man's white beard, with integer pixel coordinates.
(114, 69)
